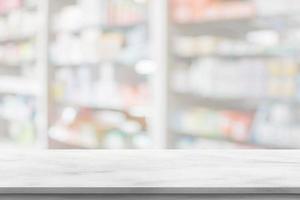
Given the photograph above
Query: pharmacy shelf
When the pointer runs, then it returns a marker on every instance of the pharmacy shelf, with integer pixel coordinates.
(16, 65)
(65, 138)
(134, 111)
(124, 75)
(117, 63)
(244, 144)
(214, 143)
(104, 27)
(56, 143)
(239, 56)
(68, 140)
(22, 86)
(13, 146)
(91, 106)
(24, 91)
(206, 143)
(161, 32)
(17, 40)
(23, 7)
(234, 28)
(244, 104)
(228, 27)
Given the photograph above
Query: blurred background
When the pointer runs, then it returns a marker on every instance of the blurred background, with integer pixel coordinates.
(143, 74)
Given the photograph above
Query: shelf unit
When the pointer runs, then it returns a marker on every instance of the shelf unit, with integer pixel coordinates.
(166, 75)
(218, 44)
(140, 70)
(105, 85)
(22, 64)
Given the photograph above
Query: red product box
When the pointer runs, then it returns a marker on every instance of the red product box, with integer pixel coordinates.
(237, 125)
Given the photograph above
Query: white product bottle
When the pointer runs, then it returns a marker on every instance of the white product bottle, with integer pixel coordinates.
(108, 94)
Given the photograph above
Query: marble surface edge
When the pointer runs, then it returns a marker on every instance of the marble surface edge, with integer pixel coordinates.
(147, 190)
(151, 171)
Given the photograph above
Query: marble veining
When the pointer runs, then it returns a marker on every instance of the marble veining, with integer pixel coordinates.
(150, 171)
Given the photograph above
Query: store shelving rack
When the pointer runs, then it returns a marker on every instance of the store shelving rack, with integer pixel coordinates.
(154, 125)
(230, 28)
(158, 34)
(35, 88)
(161, 31)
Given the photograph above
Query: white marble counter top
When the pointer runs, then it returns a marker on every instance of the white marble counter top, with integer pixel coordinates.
(173, 171)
